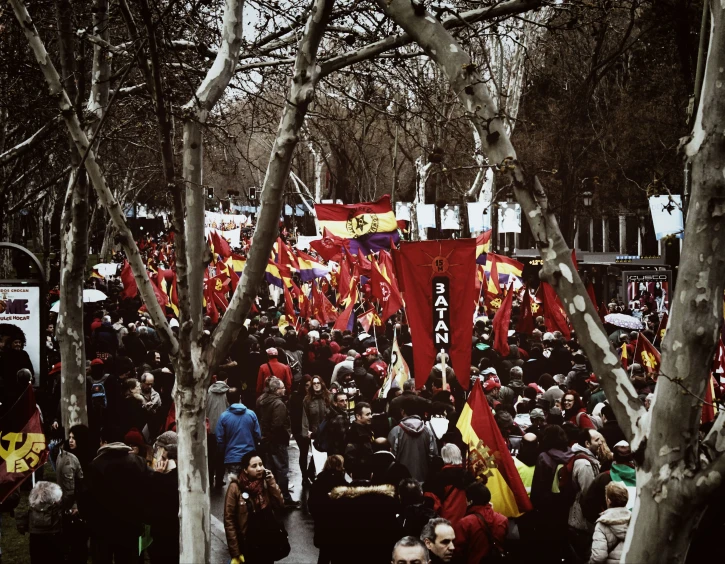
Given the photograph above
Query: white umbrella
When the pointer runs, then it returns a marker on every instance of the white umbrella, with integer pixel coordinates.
(624, 321)
(89, 296)
(92, 295)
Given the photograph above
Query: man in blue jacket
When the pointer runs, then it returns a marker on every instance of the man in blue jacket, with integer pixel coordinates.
(237, 433)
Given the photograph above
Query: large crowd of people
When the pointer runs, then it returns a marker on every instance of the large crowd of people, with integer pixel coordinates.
(384, 476)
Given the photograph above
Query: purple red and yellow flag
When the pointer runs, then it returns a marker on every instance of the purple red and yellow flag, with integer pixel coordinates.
(487, 448)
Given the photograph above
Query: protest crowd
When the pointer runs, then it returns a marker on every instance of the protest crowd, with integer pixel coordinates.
(509, 454)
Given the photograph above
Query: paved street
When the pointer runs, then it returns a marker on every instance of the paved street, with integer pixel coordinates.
(299, 523)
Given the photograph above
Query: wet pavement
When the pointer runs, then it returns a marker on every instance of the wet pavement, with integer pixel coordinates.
(299, 523)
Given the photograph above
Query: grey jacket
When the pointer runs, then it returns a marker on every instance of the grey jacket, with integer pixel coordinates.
(413, 445)
(45, 515)
(313, 413)
(609, 533)
(68, 474)
(216, 402)
(585, 470)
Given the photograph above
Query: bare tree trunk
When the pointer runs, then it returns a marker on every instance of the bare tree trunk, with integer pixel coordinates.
(305, 76)
(673, 482)
(422, 173)
(673, 486)
(192, 368)
(81, 143)
(107, 245)
(74, 253)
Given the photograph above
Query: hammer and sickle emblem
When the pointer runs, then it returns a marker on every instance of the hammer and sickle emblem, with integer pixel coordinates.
(25, 456)
(218, 285)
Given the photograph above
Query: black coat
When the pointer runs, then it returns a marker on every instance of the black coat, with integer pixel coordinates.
(319, 503)
(118, 480)
(338, 423)
(363, 523)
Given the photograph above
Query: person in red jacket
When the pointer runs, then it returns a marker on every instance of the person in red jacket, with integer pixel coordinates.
(481, 528)
(273, 367)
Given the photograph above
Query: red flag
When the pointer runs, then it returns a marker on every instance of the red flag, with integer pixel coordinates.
(385, 290)
(221, 246)
(161, 297)
(526, 317)
(345, 319)
(343, 280)
(289, 308)
(367, 319)
(661, 329)
(603, 311)
(647, 355)
(573, 259)
(130, 290)
(211, 309)
(709, 408)
(501, 324)
(440, 301)
(554, 316)
(363, 262)
(26, 449)
(303, 303)
(330, 246)
(592, 294)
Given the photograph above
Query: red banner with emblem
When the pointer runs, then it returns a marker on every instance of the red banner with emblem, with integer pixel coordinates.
(440, 297)
(22, 443)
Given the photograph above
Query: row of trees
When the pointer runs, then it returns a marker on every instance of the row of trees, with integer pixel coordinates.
(159, 82)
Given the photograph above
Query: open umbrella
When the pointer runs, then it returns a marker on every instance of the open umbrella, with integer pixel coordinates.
(90, 295)
(623, 321)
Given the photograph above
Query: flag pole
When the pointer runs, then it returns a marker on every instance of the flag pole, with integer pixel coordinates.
(443, 367)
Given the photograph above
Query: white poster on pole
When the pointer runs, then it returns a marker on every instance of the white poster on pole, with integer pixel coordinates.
(509, 218)
(20, 306)
(667, 216)
(426, 215)
(450, 217)
(402, 211)
(479, 218)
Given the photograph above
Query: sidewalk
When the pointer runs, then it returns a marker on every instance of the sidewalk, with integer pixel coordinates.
(219, 552)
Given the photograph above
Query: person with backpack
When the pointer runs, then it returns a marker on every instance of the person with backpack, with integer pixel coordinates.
(578, 475)
(483, 530)
(577, 377)
(273, 367)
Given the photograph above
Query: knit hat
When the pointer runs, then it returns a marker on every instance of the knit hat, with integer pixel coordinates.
(134, 438)
(537, 413)
(166, 439)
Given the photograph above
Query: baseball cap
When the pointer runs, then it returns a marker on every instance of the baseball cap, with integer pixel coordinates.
(370, 351)
(271, 351)
(96, 362)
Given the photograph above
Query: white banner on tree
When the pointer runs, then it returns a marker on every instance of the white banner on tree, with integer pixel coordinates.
(667, 216)
(20, 307)
(509, 218)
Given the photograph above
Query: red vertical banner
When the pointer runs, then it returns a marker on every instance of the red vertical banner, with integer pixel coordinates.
(440, 303)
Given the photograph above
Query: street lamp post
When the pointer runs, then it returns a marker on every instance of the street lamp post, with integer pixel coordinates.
(587, 200)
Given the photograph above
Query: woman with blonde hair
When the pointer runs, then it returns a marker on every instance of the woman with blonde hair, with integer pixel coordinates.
(611, 527)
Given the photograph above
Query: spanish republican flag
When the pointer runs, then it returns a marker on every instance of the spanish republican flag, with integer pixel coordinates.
(351, 221)
(488, 450)
(483, 246)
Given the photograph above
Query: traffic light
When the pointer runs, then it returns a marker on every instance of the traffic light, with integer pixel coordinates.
(252, 193)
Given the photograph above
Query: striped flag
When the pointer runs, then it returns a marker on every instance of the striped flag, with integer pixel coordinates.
(488, 451)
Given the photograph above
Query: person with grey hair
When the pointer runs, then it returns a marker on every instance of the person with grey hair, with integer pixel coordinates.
(274, 423)
(410, 550)
(438, 536)
(152, 399)
(448, 485)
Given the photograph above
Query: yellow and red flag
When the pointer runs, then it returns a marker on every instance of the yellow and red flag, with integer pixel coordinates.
(647, 355)
(491, 457)
(661, 329)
